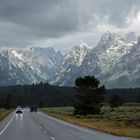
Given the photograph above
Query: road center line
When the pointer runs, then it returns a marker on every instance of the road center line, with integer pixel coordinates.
(7, 125)
(68, 124)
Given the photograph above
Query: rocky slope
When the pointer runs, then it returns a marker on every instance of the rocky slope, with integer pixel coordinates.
(28, 66)
(115, 61)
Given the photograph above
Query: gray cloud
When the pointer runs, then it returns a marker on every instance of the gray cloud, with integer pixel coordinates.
(23, 22)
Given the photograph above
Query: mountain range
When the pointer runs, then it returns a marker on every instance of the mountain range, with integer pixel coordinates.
(115, 61)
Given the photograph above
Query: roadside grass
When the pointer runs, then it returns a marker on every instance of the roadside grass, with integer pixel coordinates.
(123, 121)
(4, 113)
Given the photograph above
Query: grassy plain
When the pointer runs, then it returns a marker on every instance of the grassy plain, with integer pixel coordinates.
(123, 121)
(4, 113)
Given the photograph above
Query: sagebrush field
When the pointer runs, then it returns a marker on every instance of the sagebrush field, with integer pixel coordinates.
(124, 120)
(4, 113)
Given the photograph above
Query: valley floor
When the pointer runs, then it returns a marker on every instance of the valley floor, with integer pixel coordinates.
(123, 121)
(4, 113)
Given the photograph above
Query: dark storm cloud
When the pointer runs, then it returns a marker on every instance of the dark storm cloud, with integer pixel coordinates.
(26, 21)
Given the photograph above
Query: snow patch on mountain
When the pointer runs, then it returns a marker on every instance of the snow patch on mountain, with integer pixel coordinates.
(18, 55)
(27, 66)
(71, 61)
(114, 61)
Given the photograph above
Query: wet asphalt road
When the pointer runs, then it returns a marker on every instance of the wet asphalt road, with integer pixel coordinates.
(37, 126)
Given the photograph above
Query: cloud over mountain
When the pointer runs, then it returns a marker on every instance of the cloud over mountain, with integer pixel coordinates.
(30, 22)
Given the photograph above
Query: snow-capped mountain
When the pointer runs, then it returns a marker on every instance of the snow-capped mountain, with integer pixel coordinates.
(28, 66)
(111, 61)
(71, 61)
(111, 49)
(131, 36)
(128, 69)
(115, 61)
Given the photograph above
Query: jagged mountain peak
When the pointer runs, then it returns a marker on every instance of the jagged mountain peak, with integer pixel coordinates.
(71, 61)
(45, 50)
(130, 36)
(109, 40)
(109, 61)
(76, 55)
(48, 50)
(28, 66)
(109, 37)
(80, 45)
(49, 54)
(115, 61)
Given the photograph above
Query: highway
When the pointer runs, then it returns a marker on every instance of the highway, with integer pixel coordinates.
(38, 126)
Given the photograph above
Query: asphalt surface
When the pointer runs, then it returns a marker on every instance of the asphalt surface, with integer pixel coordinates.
(38, 126)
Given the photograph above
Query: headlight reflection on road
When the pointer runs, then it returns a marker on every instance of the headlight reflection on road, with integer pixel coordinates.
(19, 116)
(16, 116)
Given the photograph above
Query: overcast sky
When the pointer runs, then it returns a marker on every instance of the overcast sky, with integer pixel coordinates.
(61, 23)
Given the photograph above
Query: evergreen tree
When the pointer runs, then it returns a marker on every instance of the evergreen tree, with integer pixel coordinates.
(1, 103)
(90, 95)
(41, 104)
(8, 101)
(138, 100)
(116, 101)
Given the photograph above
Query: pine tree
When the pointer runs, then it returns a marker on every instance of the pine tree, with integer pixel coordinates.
(90, 96)
(8, 101)
(116, 101)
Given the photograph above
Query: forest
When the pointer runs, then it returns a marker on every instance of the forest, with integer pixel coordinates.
(46, 95)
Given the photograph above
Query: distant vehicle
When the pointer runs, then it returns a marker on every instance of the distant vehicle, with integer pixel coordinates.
(19, 110)
(33, 108)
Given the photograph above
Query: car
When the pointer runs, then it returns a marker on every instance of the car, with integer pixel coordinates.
(19, 110)
(33, 108)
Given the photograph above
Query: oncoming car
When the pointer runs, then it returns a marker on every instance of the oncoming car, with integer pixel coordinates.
(19, 110)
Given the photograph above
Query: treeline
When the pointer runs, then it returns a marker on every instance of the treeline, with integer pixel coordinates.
(42, 95)
(129, 94)
(49, 95)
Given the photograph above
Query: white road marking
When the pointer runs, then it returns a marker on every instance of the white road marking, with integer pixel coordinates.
(7, 125)
(68, 124)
